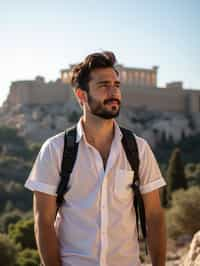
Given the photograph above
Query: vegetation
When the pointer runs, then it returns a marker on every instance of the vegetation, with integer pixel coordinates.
(16, 158)
(17, 243)
(28, 257)
(22, 233)
(18, 247)
(184, 216)
(13, 169)
(192, 172)
(175, 173)
(13, 195)
(74, 116)
(189, 146)
(8, 218)
(13, 145)
(8, 251)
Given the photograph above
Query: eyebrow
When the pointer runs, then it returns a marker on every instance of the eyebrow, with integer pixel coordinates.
(107, 82)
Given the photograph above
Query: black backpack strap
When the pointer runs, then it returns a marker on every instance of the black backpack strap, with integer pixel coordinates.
(132, 153)
(69, 156)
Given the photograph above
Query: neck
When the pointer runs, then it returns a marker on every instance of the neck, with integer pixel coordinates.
(97, 130)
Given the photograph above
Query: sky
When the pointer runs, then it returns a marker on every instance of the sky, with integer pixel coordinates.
(43, 37)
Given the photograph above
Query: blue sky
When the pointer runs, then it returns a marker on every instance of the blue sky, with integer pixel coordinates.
(42, 37)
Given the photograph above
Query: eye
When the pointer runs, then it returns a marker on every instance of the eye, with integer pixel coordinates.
(103, 86)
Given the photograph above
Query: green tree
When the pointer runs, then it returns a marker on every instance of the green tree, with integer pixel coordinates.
(10, 142)
(170, 141)
(9, 218)
(8, 251)
(163, 139)
(190, 147)
(184, 216)
(23, 233)
(9, 206)
(14, 196)
(3, 194)
(28, 257)
(192, 172)
(13, 168)
(21, 197)
(175, 173)
(74, 116)
(190, 169)
(34, 149)
(7, 133)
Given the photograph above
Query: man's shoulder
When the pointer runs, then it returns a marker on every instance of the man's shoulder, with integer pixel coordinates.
(142, 144)
(54, 142)
(56, 138)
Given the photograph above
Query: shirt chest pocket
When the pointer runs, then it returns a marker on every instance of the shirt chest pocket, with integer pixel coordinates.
(122, 182)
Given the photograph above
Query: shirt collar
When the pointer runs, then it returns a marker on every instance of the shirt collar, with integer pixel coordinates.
(81, 133)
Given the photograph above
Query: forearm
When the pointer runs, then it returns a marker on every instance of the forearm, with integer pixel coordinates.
(47, 244)
(157, 240)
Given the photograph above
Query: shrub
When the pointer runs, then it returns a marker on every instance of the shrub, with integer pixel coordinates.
(184, 216)
(8, 251)
(13, 168)
(9, 218)
(14, 195)
(175, 173)
(73, 117)
(28, 257)
(193, 174)
(23, 233)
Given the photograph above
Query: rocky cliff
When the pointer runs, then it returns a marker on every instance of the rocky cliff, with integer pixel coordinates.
(192, 258)
(38, 122)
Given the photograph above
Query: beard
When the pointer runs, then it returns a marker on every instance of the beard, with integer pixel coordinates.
(98, 108)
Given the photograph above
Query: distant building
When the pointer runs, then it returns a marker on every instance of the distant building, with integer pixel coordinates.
(139, 89)
(38, 92)
(133, 77)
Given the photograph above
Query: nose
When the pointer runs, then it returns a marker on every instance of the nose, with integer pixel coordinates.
(113, 88)
(115, 92)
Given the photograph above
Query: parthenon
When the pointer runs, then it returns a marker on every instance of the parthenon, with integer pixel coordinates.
(134, 77)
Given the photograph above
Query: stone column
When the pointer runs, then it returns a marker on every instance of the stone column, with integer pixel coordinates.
(153, 79)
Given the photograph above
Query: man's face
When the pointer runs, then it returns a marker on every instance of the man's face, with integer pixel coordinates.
(104, 96)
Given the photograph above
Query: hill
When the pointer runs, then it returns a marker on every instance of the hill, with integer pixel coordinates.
(163, 130)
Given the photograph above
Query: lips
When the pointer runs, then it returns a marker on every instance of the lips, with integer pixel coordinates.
(114, 101)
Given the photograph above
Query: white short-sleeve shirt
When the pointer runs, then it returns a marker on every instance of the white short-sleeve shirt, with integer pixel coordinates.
(96, 224)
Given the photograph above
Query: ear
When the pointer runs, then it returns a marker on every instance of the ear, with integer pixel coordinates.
(81, 96)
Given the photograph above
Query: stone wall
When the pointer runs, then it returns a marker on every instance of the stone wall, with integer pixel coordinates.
(160, 99)
(38, 92)
(139, 89)
(194, 101)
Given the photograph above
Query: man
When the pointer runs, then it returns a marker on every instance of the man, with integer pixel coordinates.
(96, 223)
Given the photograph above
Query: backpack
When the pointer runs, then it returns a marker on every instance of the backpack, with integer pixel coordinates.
(130, 147)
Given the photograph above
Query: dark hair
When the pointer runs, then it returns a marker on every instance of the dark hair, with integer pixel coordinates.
(80, 73)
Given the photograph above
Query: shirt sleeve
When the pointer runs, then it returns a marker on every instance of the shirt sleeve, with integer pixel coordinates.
(44, 176)
(149, 171)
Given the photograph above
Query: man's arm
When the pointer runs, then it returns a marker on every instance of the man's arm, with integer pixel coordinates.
(156, 230)
(44, 207)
